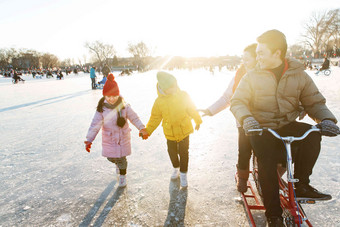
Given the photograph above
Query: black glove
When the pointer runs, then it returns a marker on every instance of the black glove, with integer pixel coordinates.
(250, 123)
(328, 128)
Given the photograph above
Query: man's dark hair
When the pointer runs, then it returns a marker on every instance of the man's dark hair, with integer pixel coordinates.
(251, 49)
(275, 40)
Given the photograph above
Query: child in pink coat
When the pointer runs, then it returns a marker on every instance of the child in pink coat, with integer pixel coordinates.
(111, 116)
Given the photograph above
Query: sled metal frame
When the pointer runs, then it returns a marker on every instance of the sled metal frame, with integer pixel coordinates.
(289, 203)
(258, 204)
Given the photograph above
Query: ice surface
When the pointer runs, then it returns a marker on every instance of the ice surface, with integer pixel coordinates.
(48, 179)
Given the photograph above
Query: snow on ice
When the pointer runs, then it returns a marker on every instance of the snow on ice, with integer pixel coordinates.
(48, 179)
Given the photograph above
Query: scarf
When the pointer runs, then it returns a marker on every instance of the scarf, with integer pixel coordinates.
(119, 105)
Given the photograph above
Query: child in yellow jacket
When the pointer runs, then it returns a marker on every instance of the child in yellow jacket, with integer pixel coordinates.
(175, 109)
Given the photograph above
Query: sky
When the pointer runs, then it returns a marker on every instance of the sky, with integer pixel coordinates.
(188, 28)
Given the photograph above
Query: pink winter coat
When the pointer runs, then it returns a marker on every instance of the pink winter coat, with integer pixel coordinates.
(116, 141)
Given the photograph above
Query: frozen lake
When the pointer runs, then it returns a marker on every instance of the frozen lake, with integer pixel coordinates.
(48, 179)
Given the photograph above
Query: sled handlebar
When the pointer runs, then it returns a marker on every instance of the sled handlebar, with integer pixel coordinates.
(291, 138)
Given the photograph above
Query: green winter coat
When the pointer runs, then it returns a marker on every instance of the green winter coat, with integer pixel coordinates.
(175, 112)
(275, 104)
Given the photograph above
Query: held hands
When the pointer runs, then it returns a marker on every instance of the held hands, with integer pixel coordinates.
(88, 146)
(205, 112)
(144, 134)
(328, 128)
(250, 123)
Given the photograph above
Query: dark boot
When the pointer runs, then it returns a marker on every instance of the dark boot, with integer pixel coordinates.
(242, 179)
(275, 222)
(308, 192)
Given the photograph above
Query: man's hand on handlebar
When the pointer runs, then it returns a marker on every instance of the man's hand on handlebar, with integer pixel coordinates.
(251, 127)
(328, 128)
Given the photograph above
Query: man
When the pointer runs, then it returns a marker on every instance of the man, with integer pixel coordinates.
(269, 96)
(325, 65)
(106, 70)
(93, 77)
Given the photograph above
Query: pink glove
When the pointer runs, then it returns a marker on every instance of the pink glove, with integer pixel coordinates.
(88, 146)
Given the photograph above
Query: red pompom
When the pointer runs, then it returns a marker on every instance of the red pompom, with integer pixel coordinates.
(110, 77)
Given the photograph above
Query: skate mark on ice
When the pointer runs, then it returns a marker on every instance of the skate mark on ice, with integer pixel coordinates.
(45, 100)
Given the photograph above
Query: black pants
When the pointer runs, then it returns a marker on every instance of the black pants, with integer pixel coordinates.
(244, 150)
(270, 151)
(179, 154)
(93, 83)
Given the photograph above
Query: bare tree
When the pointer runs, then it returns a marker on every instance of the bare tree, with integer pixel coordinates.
(66, 63)
(296, 50)
(7, 55)
(49, 60)
(84, 58)
(320, 29)
(140, 51)
(79, 60)
(101, 52)
(28, 59)
(4, 58)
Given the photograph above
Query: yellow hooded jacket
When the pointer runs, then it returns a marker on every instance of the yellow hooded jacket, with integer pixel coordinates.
(175, 111)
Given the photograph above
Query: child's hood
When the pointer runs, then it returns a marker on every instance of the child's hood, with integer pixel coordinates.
(165, 80)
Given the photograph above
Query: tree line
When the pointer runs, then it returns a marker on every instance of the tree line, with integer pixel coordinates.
(320, 38)
(23, 59)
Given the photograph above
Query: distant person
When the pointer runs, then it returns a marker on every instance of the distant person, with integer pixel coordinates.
(60, 75)
(175, 109)
(111, 116)
(125, 72)
(106, 70)
(93, 77)
(16, 77)
(211, 69)
(244, 146)
(49, 74)
(309, 65)
(325, 65)
(102, 82)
